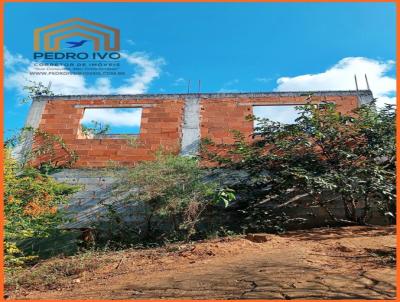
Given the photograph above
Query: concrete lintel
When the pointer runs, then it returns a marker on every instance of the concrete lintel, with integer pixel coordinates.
(116, 106)
(275, 103)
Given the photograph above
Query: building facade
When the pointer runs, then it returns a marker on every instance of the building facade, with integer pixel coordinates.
(174, 122)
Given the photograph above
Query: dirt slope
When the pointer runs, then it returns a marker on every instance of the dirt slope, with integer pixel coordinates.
(340, 263)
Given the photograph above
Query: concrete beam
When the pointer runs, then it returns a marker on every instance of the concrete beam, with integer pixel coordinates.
(204, 96)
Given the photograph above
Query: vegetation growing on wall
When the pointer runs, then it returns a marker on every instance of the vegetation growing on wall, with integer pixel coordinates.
(44, 150)
(96, 129)
(325, 157)
(35, 89)
(174, 195)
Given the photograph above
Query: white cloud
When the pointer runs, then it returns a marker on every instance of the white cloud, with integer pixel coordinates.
(145, 70)
(65, 84)
(113, 116)
(148, 70)
(341, 77)
(12, 61)
(283, 114)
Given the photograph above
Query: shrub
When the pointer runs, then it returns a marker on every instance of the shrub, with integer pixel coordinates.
(174, 194)
(325, 157)
(41, 149)
(31, 207)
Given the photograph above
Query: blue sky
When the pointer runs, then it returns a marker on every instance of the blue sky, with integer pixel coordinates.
(230, 47)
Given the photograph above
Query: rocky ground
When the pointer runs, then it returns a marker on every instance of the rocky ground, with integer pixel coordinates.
(336, 263)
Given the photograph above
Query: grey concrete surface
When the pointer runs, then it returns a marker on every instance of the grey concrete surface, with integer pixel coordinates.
(191, 127)
(157, 97)
(21, 151)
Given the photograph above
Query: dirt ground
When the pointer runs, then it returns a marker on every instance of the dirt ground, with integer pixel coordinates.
(336, 263)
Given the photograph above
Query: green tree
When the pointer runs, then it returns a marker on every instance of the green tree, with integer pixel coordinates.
(326, 157)
(31, 208)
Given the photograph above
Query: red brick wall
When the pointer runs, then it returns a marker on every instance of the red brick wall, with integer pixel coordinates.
(220, 116)
(161, 124)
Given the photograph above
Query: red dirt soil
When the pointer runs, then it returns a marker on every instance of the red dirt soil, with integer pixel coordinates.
(326, 263)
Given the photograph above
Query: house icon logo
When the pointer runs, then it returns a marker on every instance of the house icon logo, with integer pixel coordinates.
(76, 32)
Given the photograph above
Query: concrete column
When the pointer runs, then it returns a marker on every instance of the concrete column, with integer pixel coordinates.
(21, 151)
(365, 97)
(191, 127)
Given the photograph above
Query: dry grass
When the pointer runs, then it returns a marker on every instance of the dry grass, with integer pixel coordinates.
(336, 255)
(55, 273)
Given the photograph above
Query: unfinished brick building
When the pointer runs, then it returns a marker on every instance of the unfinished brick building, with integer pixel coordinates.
(176, 122)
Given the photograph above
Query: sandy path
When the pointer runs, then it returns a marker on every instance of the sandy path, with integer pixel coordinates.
(313, 264)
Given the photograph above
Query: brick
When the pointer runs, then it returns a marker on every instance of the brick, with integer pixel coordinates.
(50, 126)
(161, 125)
(65, 131)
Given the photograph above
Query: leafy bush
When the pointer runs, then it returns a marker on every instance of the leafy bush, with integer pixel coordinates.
(325, 157)
(34, 89)
(31, 206)
(39, 148)
(96, 129)
(174, 194)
